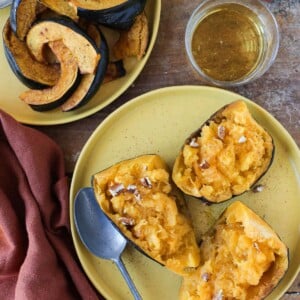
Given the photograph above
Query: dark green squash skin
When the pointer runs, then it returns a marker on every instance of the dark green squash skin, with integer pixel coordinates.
(119, 17)
(61, 100)
(100, 72)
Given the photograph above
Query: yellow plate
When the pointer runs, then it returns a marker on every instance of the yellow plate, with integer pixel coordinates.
(159, 122)
(11, 87)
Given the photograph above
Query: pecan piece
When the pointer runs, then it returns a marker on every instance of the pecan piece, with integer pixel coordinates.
(146, 182)
(127, 221)
(204, 164)
(116, 189)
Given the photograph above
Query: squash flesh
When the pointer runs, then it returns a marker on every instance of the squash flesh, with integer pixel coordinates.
(25, 16)
(63, 7)
(68, 76)
(97, 5)
(83, 50)
(242, 258)
(146, 212)
(47, 74)
(226, 158)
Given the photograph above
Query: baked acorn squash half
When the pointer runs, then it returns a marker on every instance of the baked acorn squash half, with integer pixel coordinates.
(29, 71)
(241, 258)
(69, 79)
(90, 83)
(138, 198)
(225, 157)
(80, 44)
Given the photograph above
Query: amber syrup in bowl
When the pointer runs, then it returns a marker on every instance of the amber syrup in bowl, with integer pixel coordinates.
(231, 42)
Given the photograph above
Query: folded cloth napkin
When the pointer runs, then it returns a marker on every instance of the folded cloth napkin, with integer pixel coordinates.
(37, 258)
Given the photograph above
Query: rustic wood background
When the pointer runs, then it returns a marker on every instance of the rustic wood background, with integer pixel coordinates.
(278, 91)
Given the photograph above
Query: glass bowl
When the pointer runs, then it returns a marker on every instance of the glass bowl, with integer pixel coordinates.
(216, 66)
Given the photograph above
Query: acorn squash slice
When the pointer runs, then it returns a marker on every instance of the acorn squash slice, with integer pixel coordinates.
(90, 83)
(52, 97)
(115, 70)
(29, 71)
(138, 198)
(80, 44)
(118, 14)
(23, 13)
(134, 41)
(225, 157)
(62, 7)
(242, 258)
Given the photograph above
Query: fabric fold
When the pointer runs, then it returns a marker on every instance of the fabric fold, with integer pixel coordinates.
(37, 257)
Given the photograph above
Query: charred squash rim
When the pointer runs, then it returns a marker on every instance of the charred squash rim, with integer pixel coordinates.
(38, 75)
(216, 118)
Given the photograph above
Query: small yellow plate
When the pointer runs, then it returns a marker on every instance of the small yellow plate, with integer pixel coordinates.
(159, 122)
(11, 87)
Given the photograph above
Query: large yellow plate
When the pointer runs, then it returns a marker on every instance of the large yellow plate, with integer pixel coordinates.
(10, 86)
(158, 122)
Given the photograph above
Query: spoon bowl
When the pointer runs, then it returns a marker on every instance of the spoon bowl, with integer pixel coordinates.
(97, 233)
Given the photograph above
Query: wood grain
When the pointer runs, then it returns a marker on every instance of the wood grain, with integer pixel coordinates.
(278, 90)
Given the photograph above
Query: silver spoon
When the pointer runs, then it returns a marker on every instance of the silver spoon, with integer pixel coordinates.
(99, 235)
(4, 3)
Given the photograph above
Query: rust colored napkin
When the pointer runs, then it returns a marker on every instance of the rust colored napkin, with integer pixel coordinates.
(37, 258)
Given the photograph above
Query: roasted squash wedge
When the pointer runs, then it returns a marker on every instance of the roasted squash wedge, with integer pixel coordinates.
(134, 41)
(52, 97)
(115, 70)
(80, 44)
(29, 71)
(22, 15)
(118, 14)
(138, 198)
(90, 83)
(62, 7)
(225, 157)
(242, 258)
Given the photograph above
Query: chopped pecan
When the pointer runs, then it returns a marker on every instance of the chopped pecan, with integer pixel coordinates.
(204, 164)
(205, 277)
(221, 132)
(258, 188)
(127, 221)
(146, 182)
(242, 139)
(193, 143)
(116, 189)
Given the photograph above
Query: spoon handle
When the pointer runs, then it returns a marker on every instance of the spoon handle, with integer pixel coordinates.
(128, 279)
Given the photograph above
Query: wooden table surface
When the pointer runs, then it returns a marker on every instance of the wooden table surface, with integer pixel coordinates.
(278, 91)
